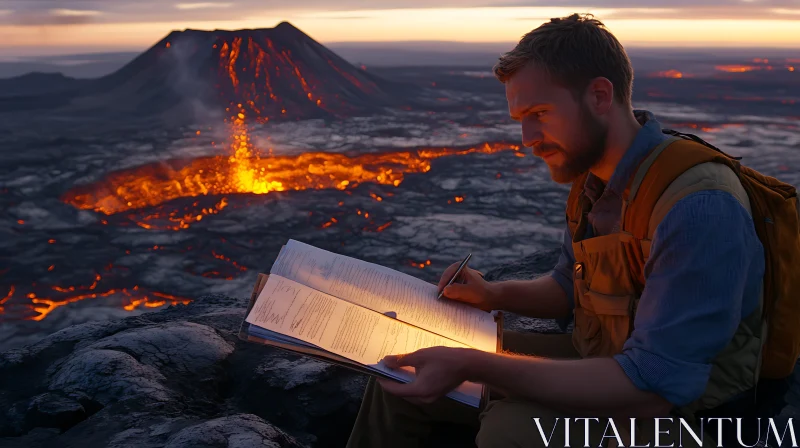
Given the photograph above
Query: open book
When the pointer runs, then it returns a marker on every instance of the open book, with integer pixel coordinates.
(351, 312)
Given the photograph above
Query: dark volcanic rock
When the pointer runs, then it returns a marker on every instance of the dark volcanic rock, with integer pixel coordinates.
(532, 266)
(47, 410)
(171, 378)
(180, 377)
(235, 431)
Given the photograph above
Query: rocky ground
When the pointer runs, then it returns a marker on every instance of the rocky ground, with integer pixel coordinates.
(180, 377)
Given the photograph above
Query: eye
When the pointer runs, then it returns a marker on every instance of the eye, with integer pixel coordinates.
(540, 114)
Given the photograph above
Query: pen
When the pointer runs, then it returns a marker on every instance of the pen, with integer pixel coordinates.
(455, 275)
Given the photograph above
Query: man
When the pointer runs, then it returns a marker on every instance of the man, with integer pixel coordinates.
(569, 85)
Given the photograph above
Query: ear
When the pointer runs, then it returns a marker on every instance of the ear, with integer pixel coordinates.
(600, 95)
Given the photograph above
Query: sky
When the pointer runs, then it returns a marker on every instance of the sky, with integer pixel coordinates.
(41, 27)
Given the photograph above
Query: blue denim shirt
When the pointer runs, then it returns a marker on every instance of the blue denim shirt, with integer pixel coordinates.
(704, 275)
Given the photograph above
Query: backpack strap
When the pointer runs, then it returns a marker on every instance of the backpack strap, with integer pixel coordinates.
(705, 176)
(654, 175)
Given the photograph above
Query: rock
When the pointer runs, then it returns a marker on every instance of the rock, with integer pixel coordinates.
(290, 374)
(235, 431)
(170, 378)
(181, 377)
(142, 380)
(179, 347)
(37, 437)
(49, 410)
(532, 266)
(109, 375)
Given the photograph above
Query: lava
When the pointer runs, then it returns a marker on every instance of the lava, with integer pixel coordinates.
(244, 172)
(420, 265)
(173, 218)
(368, 87)
(254, 70)
(40, 306)
(736, 68)
(47, 305)
(5, 299)
(669, 74)
(224, 258)
(457, 199)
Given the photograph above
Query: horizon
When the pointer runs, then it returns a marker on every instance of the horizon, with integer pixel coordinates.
(91, 27)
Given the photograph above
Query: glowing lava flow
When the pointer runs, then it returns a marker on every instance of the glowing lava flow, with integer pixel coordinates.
(669, 74)
(59, 296)
(244, 172)
(736, 68)
(45, 306)
(5, 299)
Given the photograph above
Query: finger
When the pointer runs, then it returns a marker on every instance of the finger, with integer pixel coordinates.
(467, 275)
(447, 274)
(397, 361)
(461, 292)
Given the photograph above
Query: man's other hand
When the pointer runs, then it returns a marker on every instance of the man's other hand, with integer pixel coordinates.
(469, 287)
(439, 370)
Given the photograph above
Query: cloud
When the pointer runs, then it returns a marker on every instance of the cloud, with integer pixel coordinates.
(151, 12)
(349, 18)
(203, 5)
(74, 13)
(55, 16)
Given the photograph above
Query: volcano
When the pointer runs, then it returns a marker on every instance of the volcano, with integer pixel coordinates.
(273, 74)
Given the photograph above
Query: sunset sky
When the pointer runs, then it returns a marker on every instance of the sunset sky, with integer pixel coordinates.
(39, 27)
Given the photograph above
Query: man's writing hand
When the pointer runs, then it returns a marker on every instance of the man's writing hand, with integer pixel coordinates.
(469, 288)
(439, 370)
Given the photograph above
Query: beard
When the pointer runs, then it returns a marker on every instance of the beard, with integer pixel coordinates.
(586, 152)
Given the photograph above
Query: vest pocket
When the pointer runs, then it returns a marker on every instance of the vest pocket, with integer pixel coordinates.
(602, 323)
(611, 305)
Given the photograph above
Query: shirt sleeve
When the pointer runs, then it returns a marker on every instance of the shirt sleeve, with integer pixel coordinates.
(704, 274)
(562, 274)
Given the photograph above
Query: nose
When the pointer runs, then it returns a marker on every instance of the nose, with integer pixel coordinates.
(531, 134)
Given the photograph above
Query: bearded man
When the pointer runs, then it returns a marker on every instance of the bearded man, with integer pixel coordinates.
(687, 341)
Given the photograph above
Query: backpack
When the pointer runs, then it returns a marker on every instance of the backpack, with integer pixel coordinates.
(776, 217)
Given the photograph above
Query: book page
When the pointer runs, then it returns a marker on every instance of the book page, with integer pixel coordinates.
(386, 291)
(300, 312)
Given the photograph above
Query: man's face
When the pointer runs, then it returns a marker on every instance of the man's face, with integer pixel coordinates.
(561, 129)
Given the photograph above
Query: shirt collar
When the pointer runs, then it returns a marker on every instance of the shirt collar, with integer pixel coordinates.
(647, 138)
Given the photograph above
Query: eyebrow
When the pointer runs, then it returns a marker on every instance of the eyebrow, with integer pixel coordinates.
(527, 109)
